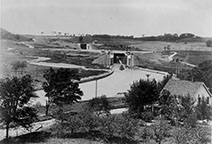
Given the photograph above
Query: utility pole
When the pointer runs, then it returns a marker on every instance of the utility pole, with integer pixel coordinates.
(96, 90)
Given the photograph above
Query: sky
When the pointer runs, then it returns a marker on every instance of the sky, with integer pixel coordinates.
(118, 17)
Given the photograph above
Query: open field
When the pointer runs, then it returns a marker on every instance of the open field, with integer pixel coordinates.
(12, 52)
(194, 57)
(159, 46)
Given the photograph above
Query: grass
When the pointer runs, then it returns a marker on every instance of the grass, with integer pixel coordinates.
(159, 46)
(195, 57)
(114, 102)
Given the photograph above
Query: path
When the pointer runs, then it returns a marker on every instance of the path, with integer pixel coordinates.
(170, 58)
(38, 126)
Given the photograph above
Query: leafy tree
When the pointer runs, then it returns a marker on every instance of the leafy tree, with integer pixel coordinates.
(204, 111)
(100, 105)
(121, 125)
(209, 43)
(61, 87)
(15, 94)
(187, 111)
(197, 135)
(141, 94)
(80, 39)
(201, 73)
(178, 109)
(159, 131)
(90, 120)
(169, 107)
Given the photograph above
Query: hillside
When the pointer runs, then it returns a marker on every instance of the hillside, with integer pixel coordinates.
(14, 37)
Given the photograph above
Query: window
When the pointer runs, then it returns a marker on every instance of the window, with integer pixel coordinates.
(207, 100)
(199, 99)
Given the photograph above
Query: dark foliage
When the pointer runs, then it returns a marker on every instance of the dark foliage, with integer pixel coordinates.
(15, 93)
(158, 132)
(178, 109)
(34, 137)
(141, 94)
(100, 105)
(202, 73)
(197, 135)
(209, 43)
(61, 86)
(204, 110)
(10, 36)
(173, 37)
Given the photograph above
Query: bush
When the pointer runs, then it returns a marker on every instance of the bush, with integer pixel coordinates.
(203, 110)
(90, 120)
(198, 135)
(209, 43)
(147, 116)
(158, 132)
(142, 93)
(119, 125)
(99, 105)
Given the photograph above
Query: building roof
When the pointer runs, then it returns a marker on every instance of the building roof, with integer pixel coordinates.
(183, 87)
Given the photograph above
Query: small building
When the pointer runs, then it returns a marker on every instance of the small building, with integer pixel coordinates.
(197, 90)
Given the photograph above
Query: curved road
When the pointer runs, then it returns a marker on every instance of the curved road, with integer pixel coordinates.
(118, 82)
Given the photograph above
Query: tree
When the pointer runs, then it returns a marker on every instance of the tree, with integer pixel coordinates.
(61, 87)
(187, 111)
(209, 43)
(204, 111)
(178, 109)
(100, 105)
(201, 73)
(169, 107)
(15, 94)
(80, 39)
(142, 93)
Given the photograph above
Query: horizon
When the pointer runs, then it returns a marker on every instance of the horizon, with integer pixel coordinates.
(112, 17)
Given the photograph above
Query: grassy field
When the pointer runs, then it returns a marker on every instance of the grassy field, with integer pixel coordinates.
(19, 52)
(159, 46)
(194, 57)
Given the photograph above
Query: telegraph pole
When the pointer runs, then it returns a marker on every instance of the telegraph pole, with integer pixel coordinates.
(96, 90)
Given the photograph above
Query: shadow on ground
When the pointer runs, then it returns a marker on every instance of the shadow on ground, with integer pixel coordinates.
(37, 137)
(34, 137)
(98, 136)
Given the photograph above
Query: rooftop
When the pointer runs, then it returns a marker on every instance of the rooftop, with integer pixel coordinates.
(182, 87)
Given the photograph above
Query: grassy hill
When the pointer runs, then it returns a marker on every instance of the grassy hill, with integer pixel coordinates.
(15, 37)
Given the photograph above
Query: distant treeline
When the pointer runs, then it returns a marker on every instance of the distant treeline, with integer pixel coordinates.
(184, 37)
(10, 36)
(112, 36)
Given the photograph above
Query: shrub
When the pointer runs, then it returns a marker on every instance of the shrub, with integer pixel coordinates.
(158, 132)
(119, 125)
(147, 134)
(198, 135)
(147, 116)
(178, 109)
(203, 110)
(90, 120)
(84, 121)
(209, 43)
(99, 105)
(142, 93)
